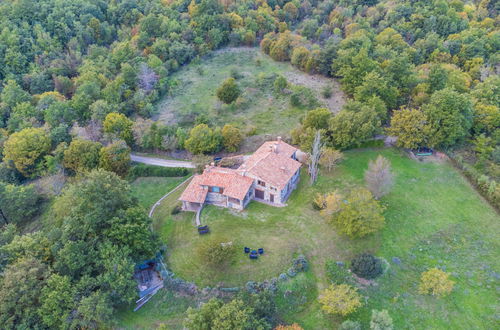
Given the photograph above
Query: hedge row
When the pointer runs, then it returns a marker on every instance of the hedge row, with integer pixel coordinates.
(489, 188)
(144, 170)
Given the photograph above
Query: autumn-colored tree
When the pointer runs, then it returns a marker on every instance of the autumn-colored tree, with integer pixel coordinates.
(115, 158)
(202, 139)
(231, 137)
(281, 49)
(340, 299)
(229, 91)
(82, 155)
(435, 282)
(300, 57)
(291, 11)
(378, 177)
(359, 215)
(119, 127)
(26, 149)
(331, 203)
(486, 119)
(411, 127)
(330, 158)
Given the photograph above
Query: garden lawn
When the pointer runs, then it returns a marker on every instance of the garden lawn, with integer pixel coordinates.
(433, 218)
(148, 190)
(193, 92)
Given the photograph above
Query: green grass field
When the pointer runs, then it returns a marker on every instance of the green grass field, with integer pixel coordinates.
(148, 190)
(433, 218)
(195, 88)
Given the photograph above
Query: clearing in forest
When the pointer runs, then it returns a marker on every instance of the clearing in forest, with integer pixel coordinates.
(193, 92)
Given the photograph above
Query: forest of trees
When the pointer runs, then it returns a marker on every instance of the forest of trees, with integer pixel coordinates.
(79, 81)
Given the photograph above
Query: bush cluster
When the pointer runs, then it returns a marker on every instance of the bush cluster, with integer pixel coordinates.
(366, 266)
(488, 187)
(144, 170)
(337, 274)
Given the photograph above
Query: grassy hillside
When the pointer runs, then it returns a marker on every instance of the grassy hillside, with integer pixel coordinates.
(149, 190)
(194, 88)
(433, 218)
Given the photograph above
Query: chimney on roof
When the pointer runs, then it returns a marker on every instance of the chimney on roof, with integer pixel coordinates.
(282, 168)
(279, 139)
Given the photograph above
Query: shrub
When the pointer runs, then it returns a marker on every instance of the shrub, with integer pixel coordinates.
(381, 320)
(350, 325)
(319, 202)
(291, 272)
(340, 299)
(303, 97)
(300, 263)
(337, 274)
(234, 73)
(435, 282)
(228, 91)
(216, 252)
(359, 215)
(283, 277)
(280, 84)
(176, 210)
(366, 266)
(144, 170)
(326, 92)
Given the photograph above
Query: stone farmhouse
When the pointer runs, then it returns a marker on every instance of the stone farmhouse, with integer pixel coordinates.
(269, 176)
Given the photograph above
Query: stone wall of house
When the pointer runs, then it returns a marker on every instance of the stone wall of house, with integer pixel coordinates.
(216, 198)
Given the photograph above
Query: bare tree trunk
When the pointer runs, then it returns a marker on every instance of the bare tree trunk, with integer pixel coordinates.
(314, 159)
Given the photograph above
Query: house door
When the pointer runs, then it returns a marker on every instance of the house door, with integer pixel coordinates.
(271, 198)
(259, 194)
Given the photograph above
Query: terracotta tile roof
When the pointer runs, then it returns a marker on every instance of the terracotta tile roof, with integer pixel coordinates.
(279, 147)
(234, 184)
(194, 193)
(272, 163)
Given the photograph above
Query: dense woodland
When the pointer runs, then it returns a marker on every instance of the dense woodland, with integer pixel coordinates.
(80, 81)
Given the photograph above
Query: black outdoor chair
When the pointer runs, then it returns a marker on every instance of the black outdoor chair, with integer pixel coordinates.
(253, 255)
(247, 249)
(261, 251)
